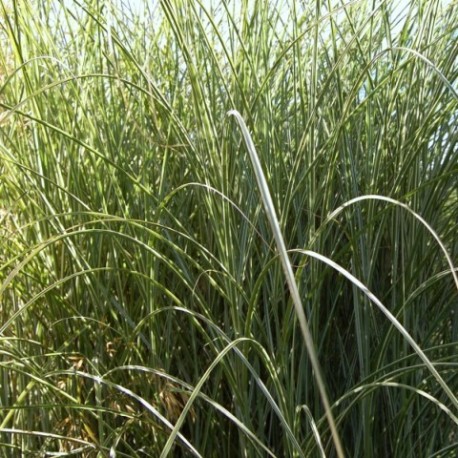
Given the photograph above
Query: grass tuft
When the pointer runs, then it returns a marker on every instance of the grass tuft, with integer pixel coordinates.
(159, 296)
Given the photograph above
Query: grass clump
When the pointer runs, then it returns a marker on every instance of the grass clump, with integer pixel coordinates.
(144, 306)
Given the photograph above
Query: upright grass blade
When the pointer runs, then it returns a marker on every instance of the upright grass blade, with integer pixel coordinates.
(288, 271)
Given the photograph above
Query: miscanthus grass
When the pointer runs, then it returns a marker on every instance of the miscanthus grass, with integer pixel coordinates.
(228, 228)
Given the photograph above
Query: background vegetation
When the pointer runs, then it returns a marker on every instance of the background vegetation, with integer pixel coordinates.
(140, 284)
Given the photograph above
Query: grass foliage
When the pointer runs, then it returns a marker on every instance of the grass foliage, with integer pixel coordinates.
(145, 309)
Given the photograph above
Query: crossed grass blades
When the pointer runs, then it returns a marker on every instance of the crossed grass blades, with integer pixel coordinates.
(144, 307)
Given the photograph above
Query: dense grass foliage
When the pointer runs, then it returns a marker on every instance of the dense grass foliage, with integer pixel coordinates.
(144, 308)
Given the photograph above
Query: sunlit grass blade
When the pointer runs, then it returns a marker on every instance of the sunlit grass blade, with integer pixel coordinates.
(287, 268)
